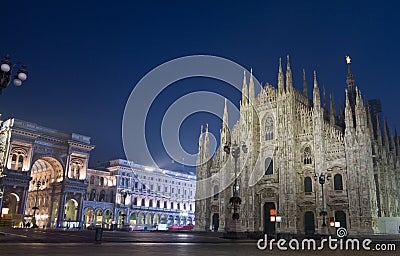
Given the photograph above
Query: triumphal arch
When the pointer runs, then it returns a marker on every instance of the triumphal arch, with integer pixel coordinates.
(43, 174)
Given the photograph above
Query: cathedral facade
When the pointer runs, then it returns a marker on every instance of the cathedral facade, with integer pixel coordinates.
(301, 165)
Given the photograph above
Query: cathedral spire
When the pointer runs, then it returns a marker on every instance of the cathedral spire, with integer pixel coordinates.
(378, 131)
(206, 147)
(350, 83)
(281, 80)
(245, 96)
(289, 79)
(201, 144)
(305, 91)
(251, 86)
(225, 133)
(386, 135)
(370, 123)
(317, 97)
(350, 77)
(348, 113)
(332, 109)
(325, 102)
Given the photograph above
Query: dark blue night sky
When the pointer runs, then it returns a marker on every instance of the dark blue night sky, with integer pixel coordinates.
(84, 58)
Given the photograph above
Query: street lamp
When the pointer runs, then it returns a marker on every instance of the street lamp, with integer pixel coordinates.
(6, 73)
(235, 200)
(322, 178)
(38, 184)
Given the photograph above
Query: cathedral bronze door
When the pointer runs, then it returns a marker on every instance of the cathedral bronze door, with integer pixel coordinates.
(340, 216)
(309, 223)
(269, 226)
(215, 222)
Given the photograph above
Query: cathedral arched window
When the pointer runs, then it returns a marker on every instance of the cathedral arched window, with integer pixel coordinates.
(307, 155)
(269, 166)
(172, 205)
(143, 202)
(101, 181)
(190, 207)
(338, 182)
(158, 204)
(151, 203)
(216, 192)
(135, 201)
(307, 185)
(165, 205)
(269, 129)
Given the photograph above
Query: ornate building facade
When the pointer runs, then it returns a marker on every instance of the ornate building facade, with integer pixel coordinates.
(305, 163)
(44, 169)
(45, 180)
(121, 192)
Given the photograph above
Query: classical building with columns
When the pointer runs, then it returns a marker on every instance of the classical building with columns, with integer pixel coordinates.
(45, 180)
(306, 163)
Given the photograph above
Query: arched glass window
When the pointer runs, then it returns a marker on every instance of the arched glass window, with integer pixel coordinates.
(269, 166)
(151, 203)
(102, 196)
(338, 182)
(20, 162)
(92, 179)
(307, 156)
(14, 161)
(165, 205)
(172, 205)
(269, 129)
(216, 192)
(158, 204)
(92, 195)
(101, 181)
(143, 201)
(307, 185)
(135, 201)
(190, 207)
(178, 206)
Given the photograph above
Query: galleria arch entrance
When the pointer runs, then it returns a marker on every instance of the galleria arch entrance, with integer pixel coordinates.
(46, 169)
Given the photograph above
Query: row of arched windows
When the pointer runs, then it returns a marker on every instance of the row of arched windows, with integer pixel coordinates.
(96, 180)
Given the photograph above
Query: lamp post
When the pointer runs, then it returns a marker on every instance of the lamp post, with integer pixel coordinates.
(6, 73)
(322, 178)
(38, 184)
(235, 200)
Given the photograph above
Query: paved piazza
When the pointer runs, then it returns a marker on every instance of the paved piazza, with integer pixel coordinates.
(54, 242)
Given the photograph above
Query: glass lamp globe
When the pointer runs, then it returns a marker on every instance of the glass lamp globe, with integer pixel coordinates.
(22, 76)
(5, 67)
(17, 82)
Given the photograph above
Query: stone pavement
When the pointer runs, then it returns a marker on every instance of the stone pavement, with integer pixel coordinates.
(32, 242)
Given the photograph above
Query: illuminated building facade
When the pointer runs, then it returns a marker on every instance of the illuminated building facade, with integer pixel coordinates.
(306, 162)
(47, 182)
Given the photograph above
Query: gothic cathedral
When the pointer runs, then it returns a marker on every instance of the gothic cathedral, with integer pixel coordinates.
(302, 166)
